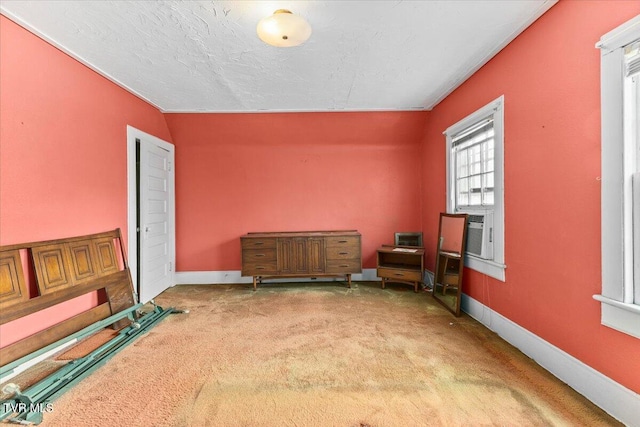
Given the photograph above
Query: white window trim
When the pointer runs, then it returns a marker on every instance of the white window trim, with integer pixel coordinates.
(617, 308)
(496, 267)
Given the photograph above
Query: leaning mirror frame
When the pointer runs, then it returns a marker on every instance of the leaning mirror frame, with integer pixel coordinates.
(447, 282)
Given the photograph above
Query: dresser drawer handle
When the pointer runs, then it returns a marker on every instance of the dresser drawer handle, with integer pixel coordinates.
(344, 265)
(260, 268)
(399, 274)
(259, 255)
(258, 243)
(343, 253)
(342, 241)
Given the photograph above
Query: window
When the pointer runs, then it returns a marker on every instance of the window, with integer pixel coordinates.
(620, 92)
(475, 185)
(473, 161)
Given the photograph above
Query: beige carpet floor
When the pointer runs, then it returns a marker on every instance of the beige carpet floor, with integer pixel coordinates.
(319, 355)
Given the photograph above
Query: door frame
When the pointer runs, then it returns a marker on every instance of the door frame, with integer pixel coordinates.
(132, 205)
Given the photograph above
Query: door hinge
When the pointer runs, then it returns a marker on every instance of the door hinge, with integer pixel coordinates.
(170, 266)
(169, 166)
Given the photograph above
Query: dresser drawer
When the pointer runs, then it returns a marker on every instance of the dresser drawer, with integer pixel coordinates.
(342, 241)
(393, 273)
(257, 262)
(259, 268)
(258, 243)
(343, 252)
(258, 255)
(343, 266)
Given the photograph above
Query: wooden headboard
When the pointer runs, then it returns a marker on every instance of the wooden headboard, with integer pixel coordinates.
(62, 269)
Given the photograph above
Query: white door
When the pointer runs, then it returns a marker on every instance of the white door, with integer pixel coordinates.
(156, 224)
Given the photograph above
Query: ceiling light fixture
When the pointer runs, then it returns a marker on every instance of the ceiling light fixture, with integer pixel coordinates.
(283, 29)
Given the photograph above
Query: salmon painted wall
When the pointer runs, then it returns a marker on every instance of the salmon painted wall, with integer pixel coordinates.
(550, 78)
(237, 173)
(63, 152)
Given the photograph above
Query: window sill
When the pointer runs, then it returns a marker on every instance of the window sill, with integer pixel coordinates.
(485, 266)
(620, 316)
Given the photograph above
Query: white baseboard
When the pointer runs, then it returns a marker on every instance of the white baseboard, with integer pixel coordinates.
(233, 276)
(210, 277)
(615, 399)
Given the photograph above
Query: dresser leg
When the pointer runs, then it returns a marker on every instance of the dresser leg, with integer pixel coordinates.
(415, 287)
(254, 283)
(349, 280)
(383, 282)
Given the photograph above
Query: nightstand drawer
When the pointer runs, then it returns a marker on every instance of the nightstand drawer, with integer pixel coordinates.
(402, 274)
(450, 279)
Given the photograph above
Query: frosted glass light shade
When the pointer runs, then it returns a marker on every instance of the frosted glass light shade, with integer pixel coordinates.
(283, 29)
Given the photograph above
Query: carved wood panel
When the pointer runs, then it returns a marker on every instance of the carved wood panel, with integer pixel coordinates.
(107, 261)
(52, 270)
(300, 256)
(13, 288)
(83, 260)
(285, 256)
(316, 255)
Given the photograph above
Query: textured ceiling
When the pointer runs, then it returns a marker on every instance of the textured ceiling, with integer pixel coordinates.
(205, 56)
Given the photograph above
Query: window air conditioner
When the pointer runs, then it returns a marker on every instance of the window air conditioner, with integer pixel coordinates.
(480, 235)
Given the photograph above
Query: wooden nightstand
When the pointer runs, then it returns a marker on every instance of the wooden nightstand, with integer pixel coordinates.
(400, 264)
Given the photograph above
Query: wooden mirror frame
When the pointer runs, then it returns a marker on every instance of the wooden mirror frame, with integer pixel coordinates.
(413, 238)
(449, 266)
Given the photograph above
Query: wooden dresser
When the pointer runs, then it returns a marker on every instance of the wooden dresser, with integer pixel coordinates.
(301, 254)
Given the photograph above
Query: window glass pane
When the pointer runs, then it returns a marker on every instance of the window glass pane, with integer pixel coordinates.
(475, 199)
(488, 180)
(488, 166)
(487, 183)
(462, 157)
(489, 152)
(475, 183)
(463, 184)
(488, 198)
(462, 191)
(475, 153)
(475, 168)
(461, 162)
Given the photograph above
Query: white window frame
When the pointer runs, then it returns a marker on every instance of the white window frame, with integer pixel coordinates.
(618, 309)
(495, 267)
